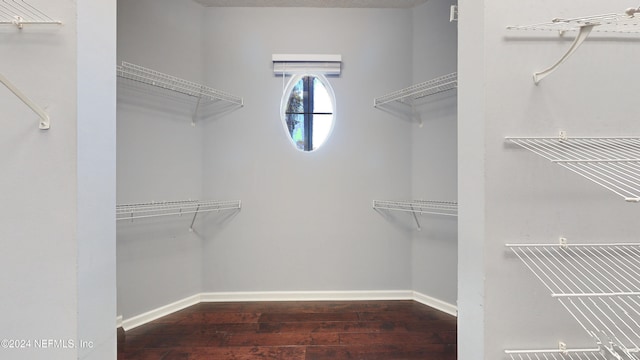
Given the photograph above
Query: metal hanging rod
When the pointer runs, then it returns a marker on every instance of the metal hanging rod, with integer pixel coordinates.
(44, 118)
(155, 78)
(418, 91)
(611, 162)
(598, 284)
(175, 208)
(20, 13)
(627, 23)
(433, 207)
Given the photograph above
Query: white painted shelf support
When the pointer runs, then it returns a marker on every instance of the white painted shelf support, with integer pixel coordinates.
(626, 23)
(44, 118)
(583, 33)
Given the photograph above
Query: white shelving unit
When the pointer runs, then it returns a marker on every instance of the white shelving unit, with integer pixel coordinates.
(626, 23)
(20, 13)
(168, 82)
(611, 162)
(411, 94)
(556, 355)
(598, 284)
(173, 208)
(446, 208)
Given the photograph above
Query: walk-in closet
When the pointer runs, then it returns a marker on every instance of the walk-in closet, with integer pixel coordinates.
(311, 225)
(467, 171)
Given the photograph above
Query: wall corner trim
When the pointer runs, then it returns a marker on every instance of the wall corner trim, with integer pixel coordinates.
(436, 303)
(165, 310)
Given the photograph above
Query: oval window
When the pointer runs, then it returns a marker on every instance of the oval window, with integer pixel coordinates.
(308, 111)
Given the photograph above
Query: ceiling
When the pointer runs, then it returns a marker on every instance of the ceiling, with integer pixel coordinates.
(314, 3)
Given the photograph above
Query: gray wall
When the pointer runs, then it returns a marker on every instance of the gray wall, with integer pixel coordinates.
(307, 221)
(159, 154)
(58, 186)
(434, 152)
(526, 198)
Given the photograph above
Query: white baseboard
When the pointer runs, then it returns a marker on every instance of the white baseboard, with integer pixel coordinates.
(287, 296)
(307, 296)
(435, 303)
(149, 316)
(119, 321)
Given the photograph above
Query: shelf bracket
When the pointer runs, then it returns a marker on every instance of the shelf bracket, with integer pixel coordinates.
(415, 217)
(194, 218)
(453, 13)
(583, 33)
(44, 118)
(195, 112)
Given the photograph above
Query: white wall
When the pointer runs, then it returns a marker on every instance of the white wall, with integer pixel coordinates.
(434, 152)
(96, 173)
(526, 198)
(159, 154)
(307, 221)
(58, 245)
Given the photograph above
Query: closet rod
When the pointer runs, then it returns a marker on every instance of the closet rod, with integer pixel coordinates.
(44, 118)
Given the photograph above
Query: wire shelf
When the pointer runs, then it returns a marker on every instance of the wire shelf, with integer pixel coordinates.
(612, 23)
(598, 284)
(411, 94)
(611, 162)
(556, 355)
(169, 82)
(419, 206)
(19, 13)
(167, 208)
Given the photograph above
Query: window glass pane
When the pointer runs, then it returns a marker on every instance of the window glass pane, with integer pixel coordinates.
(321, 99)
(296, 99)
(321, 129)
(295, 123)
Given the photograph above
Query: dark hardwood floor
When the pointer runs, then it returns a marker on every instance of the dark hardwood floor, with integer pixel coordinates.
(309, 330)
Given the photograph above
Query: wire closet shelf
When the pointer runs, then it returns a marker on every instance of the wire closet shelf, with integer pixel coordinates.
(598, 284)
(20, 13)
(172, 83)
(611, 162)
(168, 208)
(627, 23)
(411, 94)
(434, 207)
(556, 355)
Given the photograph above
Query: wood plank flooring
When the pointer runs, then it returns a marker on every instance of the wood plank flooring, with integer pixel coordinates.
(309, 330)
